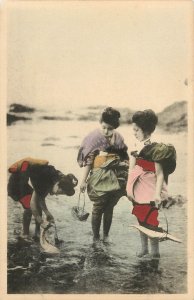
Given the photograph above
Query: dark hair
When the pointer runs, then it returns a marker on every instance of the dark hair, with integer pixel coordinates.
(111, 116)
(146, 120)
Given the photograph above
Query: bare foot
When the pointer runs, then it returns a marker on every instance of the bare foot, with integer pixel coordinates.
(107, 240)
(150, 257)
(25, 237)
(142, 253)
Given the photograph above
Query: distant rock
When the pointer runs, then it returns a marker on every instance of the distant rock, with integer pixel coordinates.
(93, 113)
(47, 144)
(55, 118)
(13, 118)
(89, 116)
(174, 117)
(90, 113)
(19, 108)
(96, 107)
(17, 113)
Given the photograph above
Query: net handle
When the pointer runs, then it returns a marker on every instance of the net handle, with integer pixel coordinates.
(165, 220)
(56, 234)
(79, 200)
(165, 233)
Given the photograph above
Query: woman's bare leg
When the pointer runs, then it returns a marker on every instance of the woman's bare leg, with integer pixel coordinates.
(144, 245)
(107, 221)
(37, 226)
(155, 248)
(27, 215)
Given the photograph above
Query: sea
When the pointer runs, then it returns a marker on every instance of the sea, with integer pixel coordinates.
(83, 267)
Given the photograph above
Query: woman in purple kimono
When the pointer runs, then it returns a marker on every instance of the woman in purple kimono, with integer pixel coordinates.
(103, 154)
(150, 166)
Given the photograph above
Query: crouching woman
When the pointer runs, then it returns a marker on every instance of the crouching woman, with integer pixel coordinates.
(31, 180)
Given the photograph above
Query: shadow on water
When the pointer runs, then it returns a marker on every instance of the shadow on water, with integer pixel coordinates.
(95, 276)
(144, 277)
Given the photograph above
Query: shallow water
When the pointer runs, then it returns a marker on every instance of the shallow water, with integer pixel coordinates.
(82, 267)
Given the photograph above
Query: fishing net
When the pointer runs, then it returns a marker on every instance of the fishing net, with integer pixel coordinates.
(78, 212)
(50, 236)
(47, 241)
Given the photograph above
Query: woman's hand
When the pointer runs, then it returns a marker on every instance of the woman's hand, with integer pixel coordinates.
(45, 224)
(124, 164)
(158, 201)
(83, 186)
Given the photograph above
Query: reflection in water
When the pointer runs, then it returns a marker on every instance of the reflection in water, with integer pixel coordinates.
(145, 278)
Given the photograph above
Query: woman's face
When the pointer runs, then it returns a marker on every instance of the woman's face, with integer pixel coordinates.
(139, 133)
(107, 129)
(56, 190)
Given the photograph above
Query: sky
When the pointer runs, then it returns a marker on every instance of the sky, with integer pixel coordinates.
(67, 54)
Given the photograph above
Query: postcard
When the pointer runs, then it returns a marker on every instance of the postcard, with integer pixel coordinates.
(97, 150)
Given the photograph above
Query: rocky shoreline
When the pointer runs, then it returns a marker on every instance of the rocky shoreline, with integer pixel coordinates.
(172, 119)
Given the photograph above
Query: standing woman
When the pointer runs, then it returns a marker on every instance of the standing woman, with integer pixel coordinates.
(148, 177)
(103, 154)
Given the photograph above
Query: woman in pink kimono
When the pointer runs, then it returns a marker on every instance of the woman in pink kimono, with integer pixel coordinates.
(148, 177)
(103, 154)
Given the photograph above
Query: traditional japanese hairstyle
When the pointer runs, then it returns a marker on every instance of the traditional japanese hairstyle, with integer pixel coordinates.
(67, 183)
(146, 120)
(110, 116)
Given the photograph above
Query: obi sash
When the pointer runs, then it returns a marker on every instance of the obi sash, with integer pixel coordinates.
(146, 165)
(100, 160)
